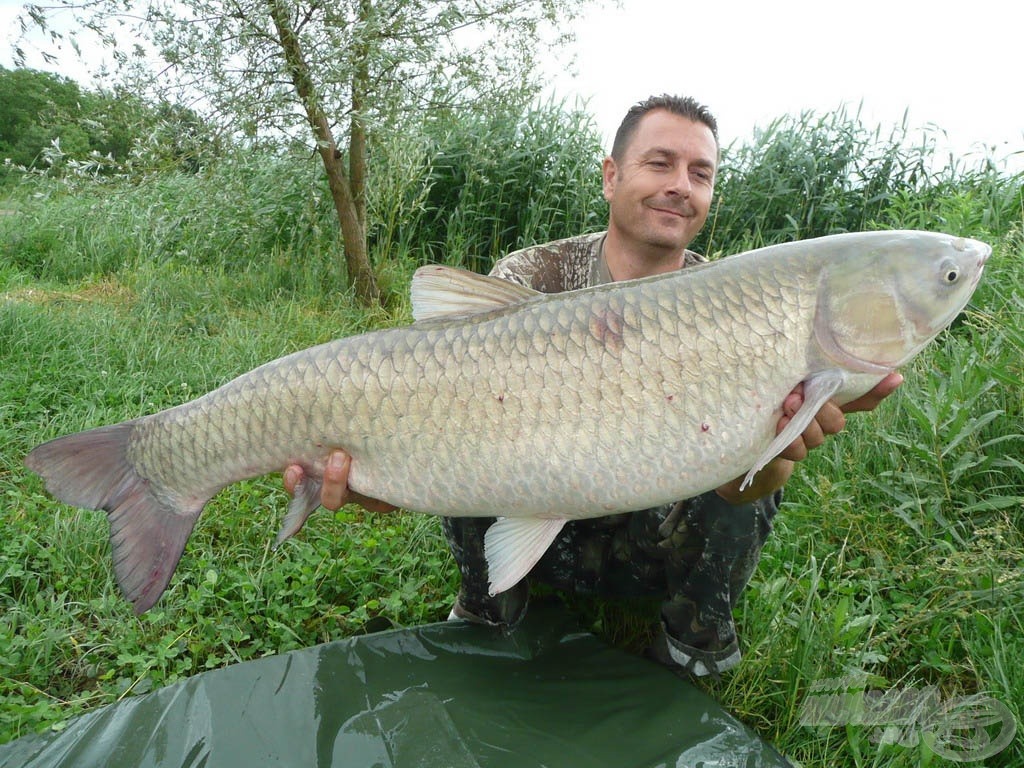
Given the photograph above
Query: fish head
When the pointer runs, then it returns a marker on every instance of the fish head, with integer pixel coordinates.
(887, 294)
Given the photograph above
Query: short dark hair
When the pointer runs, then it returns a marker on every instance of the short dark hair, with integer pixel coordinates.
(684, 106)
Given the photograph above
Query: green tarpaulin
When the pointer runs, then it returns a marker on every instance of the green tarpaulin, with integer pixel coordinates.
(447, 695)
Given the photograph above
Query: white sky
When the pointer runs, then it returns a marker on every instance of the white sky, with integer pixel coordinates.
(953, 65)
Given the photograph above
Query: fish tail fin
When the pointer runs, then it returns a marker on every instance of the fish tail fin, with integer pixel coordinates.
(148, 528)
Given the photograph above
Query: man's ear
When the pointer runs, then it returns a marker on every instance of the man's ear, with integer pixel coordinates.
(609, 175)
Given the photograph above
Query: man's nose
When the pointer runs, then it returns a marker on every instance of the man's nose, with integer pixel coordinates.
(679, 183)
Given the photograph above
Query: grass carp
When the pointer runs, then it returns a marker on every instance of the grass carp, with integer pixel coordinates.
(541, 408)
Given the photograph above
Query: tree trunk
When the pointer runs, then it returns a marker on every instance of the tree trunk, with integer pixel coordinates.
(357, 132)
(353, 226)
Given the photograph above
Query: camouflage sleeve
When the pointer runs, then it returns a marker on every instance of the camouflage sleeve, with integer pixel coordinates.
(562, 265)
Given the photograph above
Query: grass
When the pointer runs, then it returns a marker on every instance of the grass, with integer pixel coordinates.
(94, 352)
(897, 554)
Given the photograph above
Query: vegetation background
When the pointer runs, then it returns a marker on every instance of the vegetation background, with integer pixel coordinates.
(136, 275)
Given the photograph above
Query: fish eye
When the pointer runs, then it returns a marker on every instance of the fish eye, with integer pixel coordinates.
(950, 273)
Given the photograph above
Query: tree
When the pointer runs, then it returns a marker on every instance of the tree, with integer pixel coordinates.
(36, 105)
(46, 116)
(338, 72)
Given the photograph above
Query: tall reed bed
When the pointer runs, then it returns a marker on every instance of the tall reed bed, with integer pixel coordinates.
(812, 174)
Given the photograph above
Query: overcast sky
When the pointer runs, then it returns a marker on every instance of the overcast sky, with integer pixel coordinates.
(953, 65)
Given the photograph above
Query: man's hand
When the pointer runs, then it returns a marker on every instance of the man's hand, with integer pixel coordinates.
(335, 492)
(830, 420)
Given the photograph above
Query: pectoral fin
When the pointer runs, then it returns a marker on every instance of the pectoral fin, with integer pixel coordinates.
(513, 545)
(305, 500)
(818, 388)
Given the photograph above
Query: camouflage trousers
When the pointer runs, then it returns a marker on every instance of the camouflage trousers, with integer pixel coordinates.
(697, 556)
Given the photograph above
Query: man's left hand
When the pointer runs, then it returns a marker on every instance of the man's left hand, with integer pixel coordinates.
(830, 420)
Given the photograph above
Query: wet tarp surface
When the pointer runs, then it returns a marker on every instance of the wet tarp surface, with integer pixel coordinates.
(446, 695)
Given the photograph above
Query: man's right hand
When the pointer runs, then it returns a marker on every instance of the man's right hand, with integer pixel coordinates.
(335, 492)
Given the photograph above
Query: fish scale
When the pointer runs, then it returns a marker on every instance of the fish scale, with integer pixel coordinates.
(541, 408)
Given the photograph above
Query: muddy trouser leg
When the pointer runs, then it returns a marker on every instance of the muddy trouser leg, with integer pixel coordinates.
(699, 553)
(714, 550)
(466, 540)
(576, 562)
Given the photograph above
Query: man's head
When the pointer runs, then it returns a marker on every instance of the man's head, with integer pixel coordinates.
(660, 177)
(683, 106)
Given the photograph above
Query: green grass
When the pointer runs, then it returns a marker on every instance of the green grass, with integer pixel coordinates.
(898, 552)
(94, 352)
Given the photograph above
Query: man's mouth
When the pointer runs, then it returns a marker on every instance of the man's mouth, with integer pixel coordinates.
(681, 213)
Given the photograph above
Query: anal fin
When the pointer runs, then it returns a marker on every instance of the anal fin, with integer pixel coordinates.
(513, 545)
(305, 500)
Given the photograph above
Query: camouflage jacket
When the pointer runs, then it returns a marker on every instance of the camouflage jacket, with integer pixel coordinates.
(564, 265)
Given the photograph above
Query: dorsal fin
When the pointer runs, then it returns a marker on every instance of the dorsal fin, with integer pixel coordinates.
(439, 291)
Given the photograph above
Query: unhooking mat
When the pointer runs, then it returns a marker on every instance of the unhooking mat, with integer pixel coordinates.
(447, 695)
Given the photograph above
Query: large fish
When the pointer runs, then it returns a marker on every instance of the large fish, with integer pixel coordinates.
(539, 407)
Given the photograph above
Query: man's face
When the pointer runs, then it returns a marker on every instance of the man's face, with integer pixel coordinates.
(660, 191)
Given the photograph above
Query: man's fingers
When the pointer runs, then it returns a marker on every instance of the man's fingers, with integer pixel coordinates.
(370, 505)
(335, 492)
(813, 436)
(870, 401)
(793, 401)
(335, 489)
(796, 451)
(291, 477)
(830, 420)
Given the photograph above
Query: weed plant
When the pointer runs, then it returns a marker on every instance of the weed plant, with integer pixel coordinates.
(897, 554)
(488, 183)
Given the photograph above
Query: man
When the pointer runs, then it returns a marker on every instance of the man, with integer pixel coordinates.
(698, 553)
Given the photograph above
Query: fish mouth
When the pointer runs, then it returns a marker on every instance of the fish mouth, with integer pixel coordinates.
(982, 251)
(983, 257)
(977, 275)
